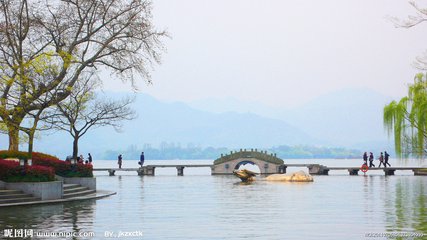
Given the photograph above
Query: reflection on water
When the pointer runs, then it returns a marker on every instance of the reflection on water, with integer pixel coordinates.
(220, 207)
(410, 206)
(67, 217)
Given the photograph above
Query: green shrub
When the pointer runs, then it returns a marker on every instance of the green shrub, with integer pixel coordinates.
(24, 155)
(44, 156)
(13, 154)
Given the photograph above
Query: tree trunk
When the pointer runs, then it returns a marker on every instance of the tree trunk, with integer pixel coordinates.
(13, 138)
(32, 133)
(75, 146)
(13, 131)
(30, 143)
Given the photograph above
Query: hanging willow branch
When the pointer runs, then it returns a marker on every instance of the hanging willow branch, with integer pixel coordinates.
(407, 120)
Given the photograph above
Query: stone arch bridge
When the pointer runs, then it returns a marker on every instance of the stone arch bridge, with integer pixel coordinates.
(267, 163)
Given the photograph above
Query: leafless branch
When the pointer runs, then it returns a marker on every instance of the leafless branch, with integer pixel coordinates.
(46, 47)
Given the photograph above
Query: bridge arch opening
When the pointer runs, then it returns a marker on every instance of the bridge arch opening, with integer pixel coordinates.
(249, 165)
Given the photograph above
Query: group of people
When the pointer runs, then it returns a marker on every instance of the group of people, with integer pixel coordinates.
(80, 159)
(383, 159)
(120, 160)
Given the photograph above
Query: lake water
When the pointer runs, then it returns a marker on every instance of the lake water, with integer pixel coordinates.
(201, 206)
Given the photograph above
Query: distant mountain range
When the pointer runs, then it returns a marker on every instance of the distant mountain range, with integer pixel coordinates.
(350, 118)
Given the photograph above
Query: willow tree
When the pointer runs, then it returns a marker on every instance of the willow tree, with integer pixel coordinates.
(407, 120)
(75, 37)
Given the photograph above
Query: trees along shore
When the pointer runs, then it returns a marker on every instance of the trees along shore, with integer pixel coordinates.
(47, 48)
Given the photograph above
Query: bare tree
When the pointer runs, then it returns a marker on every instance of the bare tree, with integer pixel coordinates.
(83, 110)
(46, 46)
(419, 17)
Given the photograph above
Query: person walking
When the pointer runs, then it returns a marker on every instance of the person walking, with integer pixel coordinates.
(89, 158)
(381, 158)
(386, 157)
(371, 160)
(141, 159)
(365, 159)
(119, 161)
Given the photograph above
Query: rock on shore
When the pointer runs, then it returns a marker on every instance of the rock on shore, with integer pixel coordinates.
(245, 175)
(299, 176)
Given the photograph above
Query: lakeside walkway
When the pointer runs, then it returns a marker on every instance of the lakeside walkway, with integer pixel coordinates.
(313, 169)
(318, 169)
(149, 170)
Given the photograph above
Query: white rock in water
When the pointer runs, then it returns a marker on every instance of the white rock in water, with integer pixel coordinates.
(299, 176)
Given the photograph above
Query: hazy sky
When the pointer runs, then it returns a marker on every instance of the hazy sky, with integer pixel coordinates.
(282, 53)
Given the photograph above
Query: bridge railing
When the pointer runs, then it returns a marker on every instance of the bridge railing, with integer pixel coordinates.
(243, 153)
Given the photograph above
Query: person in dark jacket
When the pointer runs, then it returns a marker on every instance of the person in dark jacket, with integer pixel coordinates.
(89, 158)
(381, 158)
(386, 157)
(141, 159)
(119, 160)
(365, 159)
(371, 160)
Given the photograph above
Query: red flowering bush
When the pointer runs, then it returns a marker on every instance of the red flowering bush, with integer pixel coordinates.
(10, 171)
(65, 169)
(85, 170)
(8, 168)
(40, 172)
(61, 168)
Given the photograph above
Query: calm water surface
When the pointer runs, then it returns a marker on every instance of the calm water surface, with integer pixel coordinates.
(200, 206)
